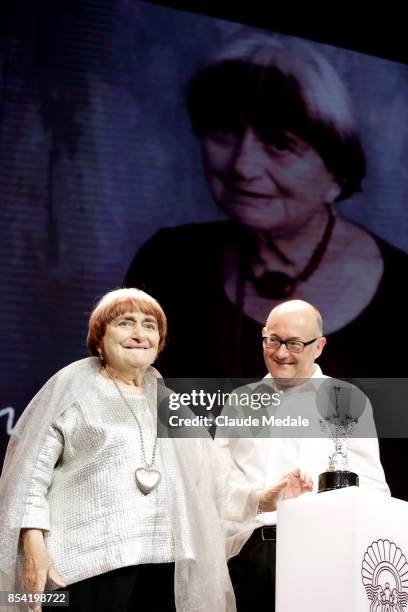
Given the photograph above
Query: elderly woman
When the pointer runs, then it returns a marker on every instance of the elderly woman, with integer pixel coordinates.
(95, 500)
(280, 149)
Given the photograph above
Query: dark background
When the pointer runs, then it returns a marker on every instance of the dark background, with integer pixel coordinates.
(96, 154)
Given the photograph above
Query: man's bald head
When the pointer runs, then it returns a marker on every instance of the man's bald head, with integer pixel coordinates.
(294, 320)
(303, 309)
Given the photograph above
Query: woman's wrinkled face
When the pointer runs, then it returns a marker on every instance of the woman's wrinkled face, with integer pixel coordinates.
(272, 187)
(131, 341)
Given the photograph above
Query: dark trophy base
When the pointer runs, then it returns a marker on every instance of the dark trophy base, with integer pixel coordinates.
(328, 481)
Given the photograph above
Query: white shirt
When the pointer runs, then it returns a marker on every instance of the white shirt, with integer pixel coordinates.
(263, 461)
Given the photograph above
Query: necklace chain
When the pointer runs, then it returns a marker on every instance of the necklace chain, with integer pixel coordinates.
(142, 446)
(279, 285)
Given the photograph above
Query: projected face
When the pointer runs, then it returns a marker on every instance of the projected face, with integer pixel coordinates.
(274, 187)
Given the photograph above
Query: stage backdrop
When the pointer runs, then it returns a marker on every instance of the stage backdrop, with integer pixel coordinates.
(97, 154)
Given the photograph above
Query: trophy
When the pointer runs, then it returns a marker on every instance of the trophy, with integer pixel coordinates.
(338, 424)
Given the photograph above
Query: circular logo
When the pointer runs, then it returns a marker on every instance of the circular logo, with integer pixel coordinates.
(384, 574)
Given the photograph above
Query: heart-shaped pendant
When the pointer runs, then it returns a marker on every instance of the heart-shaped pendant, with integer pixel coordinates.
(147, 480)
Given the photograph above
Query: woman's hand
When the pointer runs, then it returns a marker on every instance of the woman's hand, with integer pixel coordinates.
(38, 565)
(292, 484)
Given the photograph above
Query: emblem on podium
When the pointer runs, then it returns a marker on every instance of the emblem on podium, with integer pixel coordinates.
(384, 574)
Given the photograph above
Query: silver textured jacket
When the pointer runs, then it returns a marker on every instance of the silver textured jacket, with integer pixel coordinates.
(83, 492)
(202, 498)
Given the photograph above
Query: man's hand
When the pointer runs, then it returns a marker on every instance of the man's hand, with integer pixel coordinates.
(38, 565)
(292, 484)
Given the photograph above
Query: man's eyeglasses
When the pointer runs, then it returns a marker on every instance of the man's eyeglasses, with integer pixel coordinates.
(293, 346)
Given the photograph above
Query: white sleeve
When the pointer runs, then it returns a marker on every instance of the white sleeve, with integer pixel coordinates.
(364, 454)
(237, 500)
(36, 514)
(249, 459)
(364, 459)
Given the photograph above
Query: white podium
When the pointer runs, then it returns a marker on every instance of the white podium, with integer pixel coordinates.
(342, 551)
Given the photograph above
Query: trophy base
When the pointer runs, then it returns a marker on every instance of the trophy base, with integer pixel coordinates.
(328, 481)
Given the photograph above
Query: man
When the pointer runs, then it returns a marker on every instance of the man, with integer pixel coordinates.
(292, 341)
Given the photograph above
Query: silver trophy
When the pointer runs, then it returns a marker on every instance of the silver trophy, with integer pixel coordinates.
(338, 424)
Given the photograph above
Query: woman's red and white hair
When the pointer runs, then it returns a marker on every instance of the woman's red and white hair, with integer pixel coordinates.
(116, 303)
